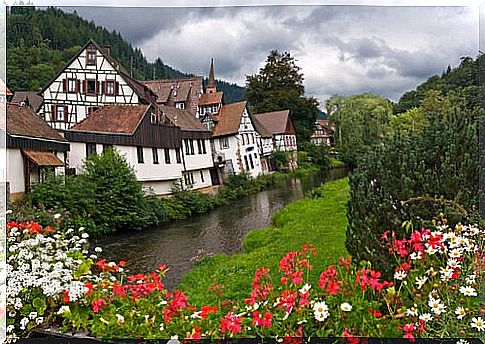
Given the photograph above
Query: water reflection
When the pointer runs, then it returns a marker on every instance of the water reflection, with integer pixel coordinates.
(221, 231)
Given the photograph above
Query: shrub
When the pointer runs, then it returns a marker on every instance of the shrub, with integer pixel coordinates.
(410, 178)
(281, 158)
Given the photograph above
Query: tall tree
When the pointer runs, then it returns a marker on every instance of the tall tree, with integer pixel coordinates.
(360, 121)
(279, 86)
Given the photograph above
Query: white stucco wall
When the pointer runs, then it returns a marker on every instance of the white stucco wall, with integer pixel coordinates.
(15, 170)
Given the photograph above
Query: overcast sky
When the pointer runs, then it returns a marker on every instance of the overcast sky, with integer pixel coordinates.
(341, 49)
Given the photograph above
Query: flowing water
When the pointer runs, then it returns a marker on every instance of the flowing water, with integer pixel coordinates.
(180, 243)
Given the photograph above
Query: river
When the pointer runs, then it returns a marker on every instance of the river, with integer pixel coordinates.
(180, 243)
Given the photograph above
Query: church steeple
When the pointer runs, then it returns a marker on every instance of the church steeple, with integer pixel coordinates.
(211, 85)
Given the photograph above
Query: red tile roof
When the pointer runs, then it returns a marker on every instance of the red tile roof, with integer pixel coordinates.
(35, 100)
(182, 119)
(210, 98)
(23, 121)
(113, 119)
(275, 122)
(229, 119)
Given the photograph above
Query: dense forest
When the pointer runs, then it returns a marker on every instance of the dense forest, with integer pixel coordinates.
(463, 79)
(41, 42)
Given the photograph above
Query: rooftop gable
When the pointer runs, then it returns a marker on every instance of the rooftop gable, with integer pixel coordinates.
(276, 122)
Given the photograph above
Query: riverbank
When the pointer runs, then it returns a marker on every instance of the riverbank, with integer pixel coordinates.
(321, 221)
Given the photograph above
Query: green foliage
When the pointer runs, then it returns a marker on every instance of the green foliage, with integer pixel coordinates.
(463, 78)
(280, 158)
(41, 42)
(412, 120)
(360, 121)
(279, 86)
(413, 177)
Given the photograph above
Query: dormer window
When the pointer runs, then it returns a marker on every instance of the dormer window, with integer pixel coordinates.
(91, 58)
(153, 118)
(180, 105)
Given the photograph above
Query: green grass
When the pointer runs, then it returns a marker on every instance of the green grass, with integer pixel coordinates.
(321, 221)
(336, 162)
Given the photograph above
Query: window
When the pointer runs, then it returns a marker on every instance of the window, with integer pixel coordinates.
(72, 86)
(202, 176)
(199, 146)
(243, 139)
(189, 178)
(180, 105)
(61, 113)
(251, 162)
(91, 86)
(91, 57)
(252, 138)
(110, 88)
(187, 149)
(224, 143)
(177, 156)
(139, 153)
(214, 108)
(90, 149)
(246, 162)
(155, 156)
(167, 155)
(204, 150)
(192, 147)
(153, 118)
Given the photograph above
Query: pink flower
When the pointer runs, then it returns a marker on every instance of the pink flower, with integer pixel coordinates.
(98, 304)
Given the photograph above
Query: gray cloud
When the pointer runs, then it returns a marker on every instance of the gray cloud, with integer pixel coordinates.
(341, 49)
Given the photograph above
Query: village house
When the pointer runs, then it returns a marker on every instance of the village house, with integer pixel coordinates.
(33, 150)
(195, 149)
(143, 134)
(266, 147)
(181, 93)
(235, 140)
(323, 134)
(210, 102)
(92, 78)
(281, 127)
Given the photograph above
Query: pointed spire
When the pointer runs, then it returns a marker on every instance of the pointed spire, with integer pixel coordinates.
(212, 80)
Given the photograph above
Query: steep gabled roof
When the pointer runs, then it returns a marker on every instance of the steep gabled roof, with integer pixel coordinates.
(182, 119)
(140, 89)
(275, 122)
(260, 128)
(229, 119)
(35, 100)
(23, 121)
(211, 98)
(177, 89)
(113, 119)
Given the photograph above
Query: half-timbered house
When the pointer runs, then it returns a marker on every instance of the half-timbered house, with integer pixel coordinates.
(323, 133)
(210, 102)
(143, 134)
(280, 125)
(195, 148)
(33, 149)
(234, 140)
(92, 78)
(181, 93)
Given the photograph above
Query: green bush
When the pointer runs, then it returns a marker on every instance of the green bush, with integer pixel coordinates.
(412, 177)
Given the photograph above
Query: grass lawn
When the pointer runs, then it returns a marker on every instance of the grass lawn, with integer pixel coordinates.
(321, 221)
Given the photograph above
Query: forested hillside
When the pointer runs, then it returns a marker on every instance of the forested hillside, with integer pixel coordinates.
(40, 42)
(463, 79)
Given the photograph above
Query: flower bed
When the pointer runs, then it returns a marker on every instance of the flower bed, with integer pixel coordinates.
(433, 293)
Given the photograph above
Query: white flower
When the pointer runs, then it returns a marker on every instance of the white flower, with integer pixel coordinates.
(33, 315)
(416, 255)
(460, 313)
(455, 253)
(320, 307)
(425, 317)
(120, 318)
(162, 327)
(10, 328)
(462, 341)
(287, 314)
(9, 211)
(413, 311)
(321, 316)
(85, 235)
(436, 306)
(454, 264)
(39, 320)
(346, 307)
(98, 250)
(478, 324)
(431, 272)
(468, 291)
(420, 281)
(400, 275)
(196, 315)
(56, 216)
(23, 323)
(446, 273)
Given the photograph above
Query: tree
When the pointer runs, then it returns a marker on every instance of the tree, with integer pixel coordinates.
(412, 120)
(279, 86)
(360, 121)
